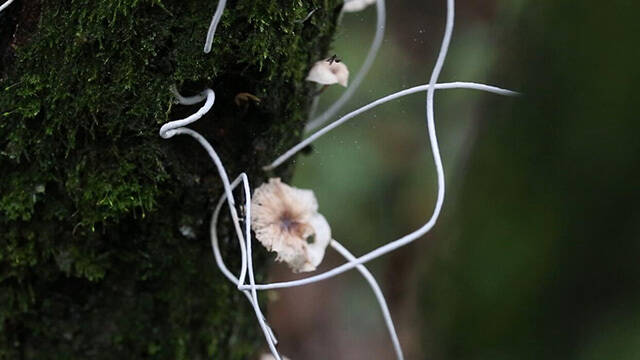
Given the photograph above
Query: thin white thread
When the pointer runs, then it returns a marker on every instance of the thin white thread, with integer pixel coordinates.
(439, 171)
(168, 130)
(191, 100)
(269, 335)
(366, 66)
(214, 25)
(452, 85)
(251, 296)
(5, 5)
(377, 292)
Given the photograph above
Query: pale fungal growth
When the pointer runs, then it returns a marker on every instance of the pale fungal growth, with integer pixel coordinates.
(356, 5)
(329, 72)
(286, 221)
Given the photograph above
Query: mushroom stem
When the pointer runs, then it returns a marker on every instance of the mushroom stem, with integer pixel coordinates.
(320, 90)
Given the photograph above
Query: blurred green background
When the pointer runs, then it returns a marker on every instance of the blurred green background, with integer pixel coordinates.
(537, 251)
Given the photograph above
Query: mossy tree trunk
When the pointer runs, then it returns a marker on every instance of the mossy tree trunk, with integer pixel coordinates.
(92, 260)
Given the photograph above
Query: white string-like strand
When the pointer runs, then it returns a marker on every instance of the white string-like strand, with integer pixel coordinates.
(366, 66)
(5, 5)
(251, 296)
(452, 85)
(214, 25)
(379, 296)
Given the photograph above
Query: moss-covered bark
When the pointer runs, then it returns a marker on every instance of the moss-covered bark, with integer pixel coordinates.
(92, 262)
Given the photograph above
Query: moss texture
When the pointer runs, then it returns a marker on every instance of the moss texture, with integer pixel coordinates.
(92, 262)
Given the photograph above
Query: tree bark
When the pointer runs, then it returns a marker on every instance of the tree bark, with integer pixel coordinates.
(104, 245)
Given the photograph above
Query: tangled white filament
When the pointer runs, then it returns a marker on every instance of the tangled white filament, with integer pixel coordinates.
(250, 290)
(5, 5)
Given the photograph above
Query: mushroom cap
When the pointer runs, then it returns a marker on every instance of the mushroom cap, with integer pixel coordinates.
(329, 73)
(356, 5)
(285, 220)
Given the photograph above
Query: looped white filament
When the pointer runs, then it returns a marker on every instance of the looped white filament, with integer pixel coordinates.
(169, 129)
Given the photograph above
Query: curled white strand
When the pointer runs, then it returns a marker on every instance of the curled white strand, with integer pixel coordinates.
(452, 85)
(214, 24)
(169, 129)
(439, 170)
(5, 5)
(191, 100)
(366, 66)
(377, 292)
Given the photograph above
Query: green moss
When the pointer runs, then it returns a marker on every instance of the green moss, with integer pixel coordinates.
(91, 260)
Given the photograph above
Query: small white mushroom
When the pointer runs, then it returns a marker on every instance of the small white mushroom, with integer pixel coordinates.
(286, 221)
(356, 5)
(327, 72)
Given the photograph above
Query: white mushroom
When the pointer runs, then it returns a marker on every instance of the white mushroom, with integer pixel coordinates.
(328, 72)
(356, 5)
(286, 221)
